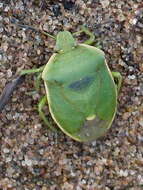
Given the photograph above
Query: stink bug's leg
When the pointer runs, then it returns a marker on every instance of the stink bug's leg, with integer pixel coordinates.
(87, 32)
(41, 104)
(32, 71)
(38, 81)
(49, 35)
(117, 75)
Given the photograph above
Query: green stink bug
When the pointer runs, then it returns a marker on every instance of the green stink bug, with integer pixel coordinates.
(80, 88)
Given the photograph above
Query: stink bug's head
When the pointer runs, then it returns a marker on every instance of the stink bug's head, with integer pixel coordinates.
(64, 41)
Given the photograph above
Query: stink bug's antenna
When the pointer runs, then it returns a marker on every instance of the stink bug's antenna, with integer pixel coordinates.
(15, 21)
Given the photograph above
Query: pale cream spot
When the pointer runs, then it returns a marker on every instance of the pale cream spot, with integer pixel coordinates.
(91, 117)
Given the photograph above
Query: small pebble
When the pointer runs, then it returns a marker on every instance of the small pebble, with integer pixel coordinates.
(6, 150)
(132, 77)
(141, 122)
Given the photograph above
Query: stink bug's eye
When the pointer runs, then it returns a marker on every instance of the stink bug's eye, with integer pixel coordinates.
(81, 84)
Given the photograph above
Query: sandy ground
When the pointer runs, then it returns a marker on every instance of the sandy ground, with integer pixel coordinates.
(35, 158)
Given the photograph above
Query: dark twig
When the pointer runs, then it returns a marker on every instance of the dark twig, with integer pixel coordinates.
(9, 89)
